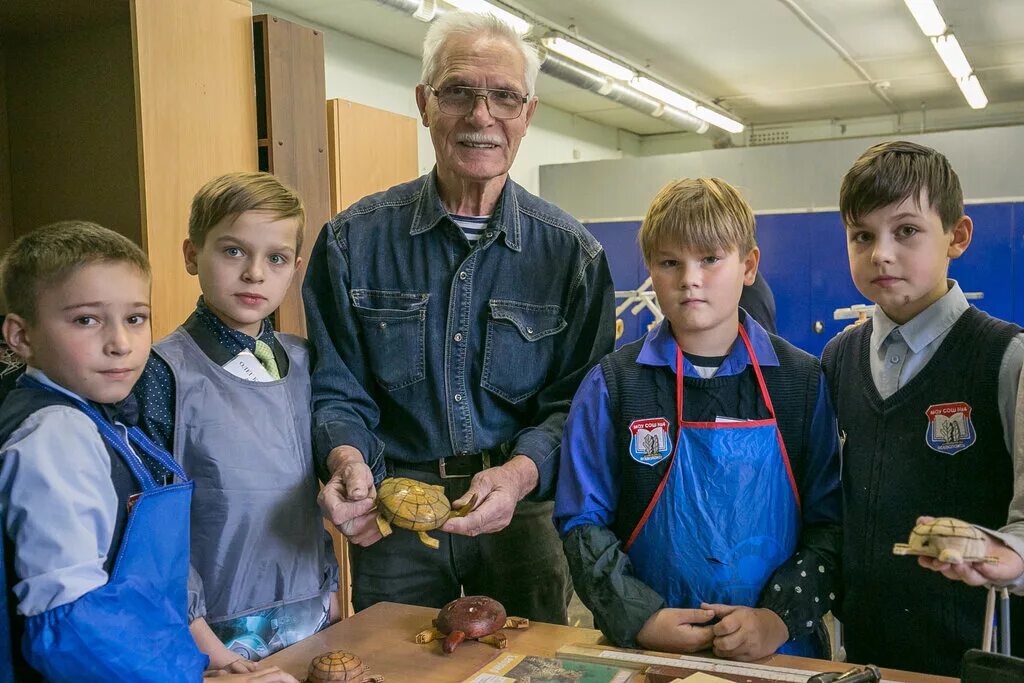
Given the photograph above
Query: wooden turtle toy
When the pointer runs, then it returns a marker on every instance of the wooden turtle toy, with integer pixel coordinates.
(474, 617)
(947, 540)
(338, 666)
(413, 505)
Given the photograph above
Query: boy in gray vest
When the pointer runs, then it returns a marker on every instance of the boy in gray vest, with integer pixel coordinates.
(925, 392)
(230, 398)
(698, 489)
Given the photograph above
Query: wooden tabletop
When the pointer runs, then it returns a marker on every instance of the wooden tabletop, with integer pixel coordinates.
(383, 635)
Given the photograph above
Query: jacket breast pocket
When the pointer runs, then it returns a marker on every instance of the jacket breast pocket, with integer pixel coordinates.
(394, 327)
(520, 347)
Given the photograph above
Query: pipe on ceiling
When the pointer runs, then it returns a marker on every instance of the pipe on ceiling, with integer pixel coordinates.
(582, 77)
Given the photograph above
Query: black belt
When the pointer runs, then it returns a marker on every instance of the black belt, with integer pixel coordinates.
(454, 467)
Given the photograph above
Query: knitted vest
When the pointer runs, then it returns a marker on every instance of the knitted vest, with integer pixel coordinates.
(897, 614)
(638, 392)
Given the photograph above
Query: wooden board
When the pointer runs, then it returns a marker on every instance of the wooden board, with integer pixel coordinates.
(296, 143)
(370, 150)
(196, 110)
(383, 635)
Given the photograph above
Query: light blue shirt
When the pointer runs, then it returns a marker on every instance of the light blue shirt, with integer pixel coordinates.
(58, 504)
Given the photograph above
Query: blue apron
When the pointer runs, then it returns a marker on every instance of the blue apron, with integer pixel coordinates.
(725, 515)
(135, 626)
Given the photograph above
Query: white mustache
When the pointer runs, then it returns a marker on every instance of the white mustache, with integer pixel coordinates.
(478, 138)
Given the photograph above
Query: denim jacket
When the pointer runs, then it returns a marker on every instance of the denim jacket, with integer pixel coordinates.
(426, 347)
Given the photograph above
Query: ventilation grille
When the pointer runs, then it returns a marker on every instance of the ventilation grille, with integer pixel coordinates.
(769, 137)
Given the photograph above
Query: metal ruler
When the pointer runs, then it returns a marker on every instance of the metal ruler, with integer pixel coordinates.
(638, 660)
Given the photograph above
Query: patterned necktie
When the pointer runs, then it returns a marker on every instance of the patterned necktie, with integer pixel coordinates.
(265, 355)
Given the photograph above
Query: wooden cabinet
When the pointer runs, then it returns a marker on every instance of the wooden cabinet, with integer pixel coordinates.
(292, 131)
(369, 150)
(117, 111)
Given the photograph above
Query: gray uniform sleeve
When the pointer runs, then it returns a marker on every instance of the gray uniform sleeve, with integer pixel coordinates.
(59, 507)
(602, 575)
(1011, 410)
(196, 595)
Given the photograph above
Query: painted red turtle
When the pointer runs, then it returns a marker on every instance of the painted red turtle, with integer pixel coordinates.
(474, 617)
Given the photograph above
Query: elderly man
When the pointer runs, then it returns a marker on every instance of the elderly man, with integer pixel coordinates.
(453, 318)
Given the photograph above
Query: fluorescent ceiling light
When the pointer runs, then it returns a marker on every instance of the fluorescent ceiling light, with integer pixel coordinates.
(519, 24)
(952, 55)
(588, 58)
(716, 119)
(927, 16)
(971, 88)
(663, 94)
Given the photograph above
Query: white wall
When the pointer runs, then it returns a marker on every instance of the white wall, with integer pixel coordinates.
(780, 178)
(377, 76)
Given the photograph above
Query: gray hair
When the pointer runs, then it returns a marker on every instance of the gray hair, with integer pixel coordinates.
(472, 24)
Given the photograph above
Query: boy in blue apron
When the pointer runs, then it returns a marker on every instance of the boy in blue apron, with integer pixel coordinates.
(230, 399)
(698, 490)
(926, 392)
(95, 515)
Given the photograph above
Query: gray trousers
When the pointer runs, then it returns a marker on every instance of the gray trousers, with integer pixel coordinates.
(522, 566)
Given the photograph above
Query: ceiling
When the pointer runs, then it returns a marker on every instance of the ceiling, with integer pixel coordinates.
(757, 59)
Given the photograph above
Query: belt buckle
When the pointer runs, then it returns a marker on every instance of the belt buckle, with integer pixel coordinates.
(444, 474)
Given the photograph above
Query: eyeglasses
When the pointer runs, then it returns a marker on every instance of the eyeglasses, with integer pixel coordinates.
(459, 100)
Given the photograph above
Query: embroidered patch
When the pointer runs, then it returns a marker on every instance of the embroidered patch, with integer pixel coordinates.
(650, 442)
(950, 429)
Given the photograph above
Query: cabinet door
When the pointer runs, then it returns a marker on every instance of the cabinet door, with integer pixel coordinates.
(196, 120)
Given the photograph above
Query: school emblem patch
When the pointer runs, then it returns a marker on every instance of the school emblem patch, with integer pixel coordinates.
(650, 442)
(950, 429)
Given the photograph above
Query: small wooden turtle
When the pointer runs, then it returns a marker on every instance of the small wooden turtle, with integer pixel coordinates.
(947, 540)
(474, 617)
(413, 505)
(337, 666)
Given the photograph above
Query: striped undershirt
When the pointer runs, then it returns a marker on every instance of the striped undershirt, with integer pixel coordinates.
(472, 226)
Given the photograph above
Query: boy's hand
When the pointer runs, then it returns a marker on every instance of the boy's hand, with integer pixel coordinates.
(746, 633)
(497, 489)
(1009, 568)
(677, 630)
(349, 496)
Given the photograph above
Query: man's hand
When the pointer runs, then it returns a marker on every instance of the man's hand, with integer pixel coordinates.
(349, 496)
(677, 630)
(746, 633)
(1009, 568)
(497, 489)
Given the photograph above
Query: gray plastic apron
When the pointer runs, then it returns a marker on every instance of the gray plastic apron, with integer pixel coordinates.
(258, 539)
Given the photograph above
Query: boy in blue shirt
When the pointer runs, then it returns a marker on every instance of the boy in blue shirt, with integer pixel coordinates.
(698, 491)
(925, 392)
(97, 565)
(230, 398)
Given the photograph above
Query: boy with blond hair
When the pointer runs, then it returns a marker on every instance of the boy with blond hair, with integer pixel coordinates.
(698, 490)
(97, 561)
(230, 398)
(925, 392)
